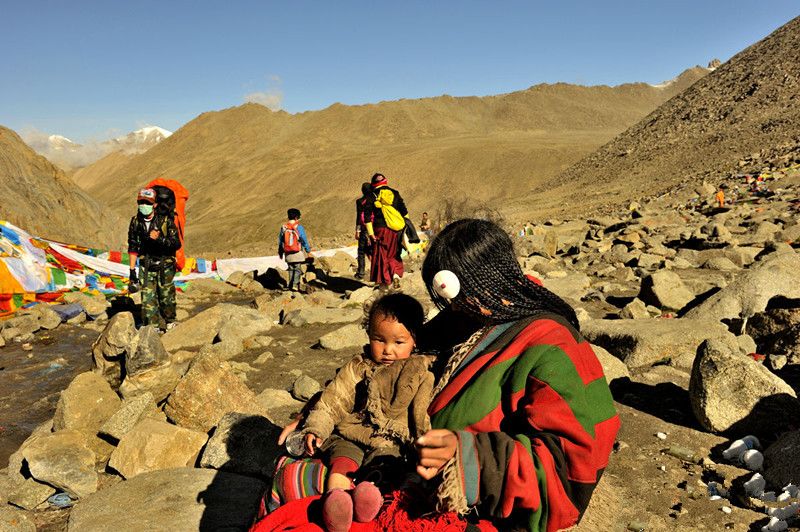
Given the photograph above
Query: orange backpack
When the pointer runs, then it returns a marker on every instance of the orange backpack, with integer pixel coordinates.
(181, 197)
(291, 238)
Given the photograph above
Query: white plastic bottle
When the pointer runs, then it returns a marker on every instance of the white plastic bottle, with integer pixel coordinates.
(738, 447)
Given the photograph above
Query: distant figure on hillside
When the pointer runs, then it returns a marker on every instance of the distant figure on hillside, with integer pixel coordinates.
(364, 244)
(721, 197)
(293, 247)
(386, 221)
(425, 225)
(153, 239)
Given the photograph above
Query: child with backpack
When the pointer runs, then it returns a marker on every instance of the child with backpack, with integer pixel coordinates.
(293, 247)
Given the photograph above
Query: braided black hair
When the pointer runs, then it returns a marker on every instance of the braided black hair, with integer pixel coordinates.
(493, 285)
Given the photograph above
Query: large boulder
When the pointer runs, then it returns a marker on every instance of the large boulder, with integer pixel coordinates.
(86, 404)
(153, 445)
(665, 290)
(752, 290)
(12, 520)
(30, 494)
(207, 392)
(338, 264)
(108, 351)
(171, 499)
(731, 392)
(613, 368)
(63, 459)
(199, 330)
(49, 319)
(349, 336)
(94, 306)
(641, 343)
(572, 286)
(243, 443)
(782, 461)
(242, 323)
(158, 381)
(146, 351)
(308, 316)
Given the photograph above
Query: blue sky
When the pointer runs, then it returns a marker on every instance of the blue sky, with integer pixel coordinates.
(90, 69)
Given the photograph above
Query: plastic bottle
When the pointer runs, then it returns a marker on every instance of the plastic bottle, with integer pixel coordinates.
(738, 447)
(792, 490)
(775, 525)
(784, 513)
(755, 486)
(752, 460)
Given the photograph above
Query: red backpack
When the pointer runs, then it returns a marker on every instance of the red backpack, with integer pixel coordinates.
(291, 238)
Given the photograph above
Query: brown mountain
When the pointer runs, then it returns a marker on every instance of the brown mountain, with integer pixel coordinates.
(39, 198)
(744, 116)
(246, 165)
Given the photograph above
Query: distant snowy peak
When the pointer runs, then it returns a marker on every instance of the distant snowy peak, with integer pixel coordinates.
(664, 84)
(141, 139)
(58, 142)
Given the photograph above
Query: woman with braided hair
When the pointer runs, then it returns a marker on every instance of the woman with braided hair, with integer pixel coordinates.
(523, 420)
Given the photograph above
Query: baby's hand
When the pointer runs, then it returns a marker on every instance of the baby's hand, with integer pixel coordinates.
(312, 442)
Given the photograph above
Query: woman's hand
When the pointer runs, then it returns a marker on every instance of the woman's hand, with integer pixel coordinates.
(312, 442)
(288, 429)
(434, 449)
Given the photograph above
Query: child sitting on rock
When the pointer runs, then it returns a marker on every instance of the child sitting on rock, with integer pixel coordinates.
(375, 406)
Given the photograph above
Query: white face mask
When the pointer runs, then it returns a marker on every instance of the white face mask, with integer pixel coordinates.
(146, 210)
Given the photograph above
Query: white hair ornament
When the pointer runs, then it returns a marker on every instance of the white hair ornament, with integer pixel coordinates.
(446, 284)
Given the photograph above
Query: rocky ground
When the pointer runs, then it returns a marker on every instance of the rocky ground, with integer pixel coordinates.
(694, 312)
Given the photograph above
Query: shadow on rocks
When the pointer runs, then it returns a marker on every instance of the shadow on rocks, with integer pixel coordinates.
(666, 401)
(339, 285)
(125, 304)
(243, 449)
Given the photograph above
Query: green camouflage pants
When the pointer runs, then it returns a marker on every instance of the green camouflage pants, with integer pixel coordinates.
(158, 295)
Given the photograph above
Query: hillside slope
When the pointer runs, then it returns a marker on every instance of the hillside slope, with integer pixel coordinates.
(39, 198)
(490, 148)
(744, 116)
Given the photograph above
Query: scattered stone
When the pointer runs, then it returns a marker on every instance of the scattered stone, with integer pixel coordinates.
(338, 264)
(146, 351)
(666, 290)
(173, 499)
(129, 414)
(30, 494)
(238, 278)
(255, 342)
(64, 460)
(661, 436)
(573, 286)
(635, 310)
(94, 306)
(49, 319)
(720, 263)
(349, 336)
(12, 520)
(304, 388)
(263, 358)
(158, 381)
(197, 331)
(273, 399)
(362, 295)
(206, 393)
(205, 287)
(241, 323)
(86, 404)
(224, 350)
(153, 445)
(777, 362)
(243, 443)
(109, 349)
(731, 392)
(307, 316)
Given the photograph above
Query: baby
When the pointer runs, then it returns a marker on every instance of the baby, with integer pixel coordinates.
(376, 405)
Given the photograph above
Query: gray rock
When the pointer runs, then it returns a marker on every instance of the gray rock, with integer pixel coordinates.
(12, 520)
(337, 265)
(635, 310)
(146, 351)
(752, 290)
(746, 344)
(243, 443)
(86, 404)
(731, 392)
(208, 287)
(307, 316)
(273, 399)
(9, 334)
(173, 499)
(782, 461)
(158, 381)
(238, 278)
(613, 367)
(206, 393)
(304, 388)
(241, 323)
(666, 290)
(276, 307)
(49, 319)
(30, 494)
(94, 306)
(777, 362)
(197, 331)
(25, 323)
(152, 445)
(349, 336)
(108, 350)
(649, 261)
(129, 414)
(573, 286)
(720, 263)
(641, 343)
(224, 350)
(64, 460)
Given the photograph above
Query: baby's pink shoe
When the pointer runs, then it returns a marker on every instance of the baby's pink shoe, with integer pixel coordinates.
(367, 502)
(337, 511)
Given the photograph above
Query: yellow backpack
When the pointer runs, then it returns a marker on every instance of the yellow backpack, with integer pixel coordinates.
(384, 200)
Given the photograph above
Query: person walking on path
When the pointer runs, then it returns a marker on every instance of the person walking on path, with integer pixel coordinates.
(721, 197)
(364, 245)
(386, 221)
(293, 247)
(153, 239)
